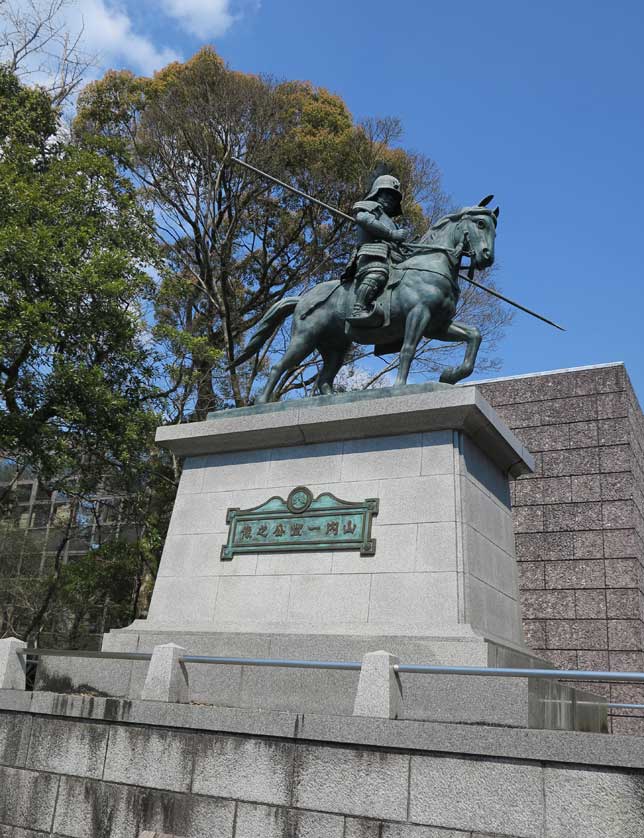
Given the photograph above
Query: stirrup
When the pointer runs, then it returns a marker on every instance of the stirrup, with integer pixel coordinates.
(367, 319)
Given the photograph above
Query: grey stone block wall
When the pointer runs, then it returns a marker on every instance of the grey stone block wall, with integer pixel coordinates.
(202, 783)
(579, 521)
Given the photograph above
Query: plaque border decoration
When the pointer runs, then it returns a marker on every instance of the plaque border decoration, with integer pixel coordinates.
(301, 506)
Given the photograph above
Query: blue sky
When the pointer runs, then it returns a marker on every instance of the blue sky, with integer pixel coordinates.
(539, 103)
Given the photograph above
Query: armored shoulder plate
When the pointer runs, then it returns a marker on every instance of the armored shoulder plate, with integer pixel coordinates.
(368, 206)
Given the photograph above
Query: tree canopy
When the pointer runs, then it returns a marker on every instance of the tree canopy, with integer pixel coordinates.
(233, 242)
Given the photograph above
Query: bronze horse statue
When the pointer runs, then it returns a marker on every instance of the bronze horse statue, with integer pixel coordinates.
(423, 291)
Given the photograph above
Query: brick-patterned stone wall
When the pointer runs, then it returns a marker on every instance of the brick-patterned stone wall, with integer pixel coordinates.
(579, 521)
(79, 767)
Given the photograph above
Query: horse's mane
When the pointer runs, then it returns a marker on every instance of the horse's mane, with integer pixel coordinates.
(442, 223)
(435, 231)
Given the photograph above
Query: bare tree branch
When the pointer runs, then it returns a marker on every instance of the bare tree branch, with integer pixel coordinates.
(36, 44)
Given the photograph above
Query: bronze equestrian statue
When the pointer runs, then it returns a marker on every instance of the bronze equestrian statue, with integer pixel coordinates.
(418, 295)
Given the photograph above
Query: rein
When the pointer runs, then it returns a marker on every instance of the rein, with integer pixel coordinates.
(426, 271)
(454, 252)
(428, 248)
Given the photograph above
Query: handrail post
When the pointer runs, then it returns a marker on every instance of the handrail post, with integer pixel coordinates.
(13, 665)
(379, 694)
(167, 678)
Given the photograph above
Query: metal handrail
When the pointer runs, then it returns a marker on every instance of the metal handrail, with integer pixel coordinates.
(74, 653)
(504, 672)
(354, 666)
(507, 672)
(626, 706)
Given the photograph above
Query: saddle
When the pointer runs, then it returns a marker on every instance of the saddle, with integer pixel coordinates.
(381, 312)
(380, 316)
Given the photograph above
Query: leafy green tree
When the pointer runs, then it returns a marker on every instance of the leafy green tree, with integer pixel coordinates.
(78, 396)
(76, 377)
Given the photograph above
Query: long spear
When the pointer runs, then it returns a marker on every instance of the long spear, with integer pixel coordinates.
(511, 302)
(346, 217)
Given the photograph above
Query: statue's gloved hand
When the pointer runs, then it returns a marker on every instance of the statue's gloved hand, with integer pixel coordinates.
(400, 236)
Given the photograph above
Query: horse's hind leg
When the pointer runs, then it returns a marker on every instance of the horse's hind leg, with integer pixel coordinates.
(332, 360)
(459, 332)
(300, 346)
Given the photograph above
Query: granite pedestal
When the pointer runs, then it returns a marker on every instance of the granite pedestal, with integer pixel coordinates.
(444, 562)
(441, 586)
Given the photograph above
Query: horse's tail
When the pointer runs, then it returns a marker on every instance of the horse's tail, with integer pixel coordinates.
(278, 312)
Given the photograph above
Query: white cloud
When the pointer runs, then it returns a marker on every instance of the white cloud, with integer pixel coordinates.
(114, 30)
(201, 18)
(109, 33)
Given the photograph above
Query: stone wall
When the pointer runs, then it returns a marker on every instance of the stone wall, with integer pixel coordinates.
(105, 768)
(579, 520)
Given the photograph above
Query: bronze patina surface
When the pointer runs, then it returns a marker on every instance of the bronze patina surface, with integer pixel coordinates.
(393, 292)
(416, 284)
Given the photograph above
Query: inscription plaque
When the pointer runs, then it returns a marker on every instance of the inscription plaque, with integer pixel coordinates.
(301, 523)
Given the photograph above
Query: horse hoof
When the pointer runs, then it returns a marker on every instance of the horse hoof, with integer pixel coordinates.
(448, 376)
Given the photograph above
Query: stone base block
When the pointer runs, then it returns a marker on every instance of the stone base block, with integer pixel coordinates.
(167, 677)
(12, 665)
(379, 694)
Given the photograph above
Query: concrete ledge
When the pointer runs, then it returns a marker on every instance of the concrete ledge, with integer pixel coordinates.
(587, 749)
(371, 413)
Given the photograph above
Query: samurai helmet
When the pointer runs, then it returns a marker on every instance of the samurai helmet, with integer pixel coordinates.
(391, 184)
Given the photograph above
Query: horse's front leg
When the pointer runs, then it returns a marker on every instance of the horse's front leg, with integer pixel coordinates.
(416, 323)
(459, 332)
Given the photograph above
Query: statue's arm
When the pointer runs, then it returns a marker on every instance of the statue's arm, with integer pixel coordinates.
(369, 222)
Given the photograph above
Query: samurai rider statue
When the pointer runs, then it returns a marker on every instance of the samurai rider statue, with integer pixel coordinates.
(378, 235)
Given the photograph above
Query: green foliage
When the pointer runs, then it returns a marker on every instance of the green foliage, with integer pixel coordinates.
(74, 364)
(26, 116)
(98, 588)
(79, 400)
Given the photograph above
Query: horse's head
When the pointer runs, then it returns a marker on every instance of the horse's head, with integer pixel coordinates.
(478, 230)
(471, 232)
